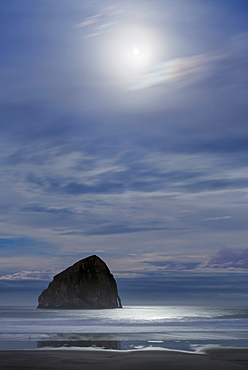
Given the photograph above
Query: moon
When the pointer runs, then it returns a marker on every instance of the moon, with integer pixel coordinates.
(136, 52)
(131, 52)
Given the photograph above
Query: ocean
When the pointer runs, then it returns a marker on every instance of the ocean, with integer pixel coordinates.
(182, 328)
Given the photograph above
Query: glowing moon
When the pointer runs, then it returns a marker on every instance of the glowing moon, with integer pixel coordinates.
(131, 52)
(136, 52)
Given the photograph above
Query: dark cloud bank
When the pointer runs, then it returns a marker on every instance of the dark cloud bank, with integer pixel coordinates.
(173, 288)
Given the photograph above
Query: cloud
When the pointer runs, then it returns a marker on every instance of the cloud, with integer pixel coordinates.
(185, 71)
(157, 264)
(123, 228)
(99, 23)
(90, 20)
(6, 237)
(66, 186)
(176, 72)
(218, 218)
(216, 184)
(148, 174)
(173, 265)
(40, 209)
(228, 258)
(29, 275)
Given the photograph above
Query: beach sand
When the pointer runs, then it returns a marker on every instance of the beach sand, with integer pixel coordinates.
(67, 359)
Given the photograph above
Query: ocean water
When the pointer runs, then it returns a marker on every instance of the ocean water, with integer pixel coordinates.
(130, 328)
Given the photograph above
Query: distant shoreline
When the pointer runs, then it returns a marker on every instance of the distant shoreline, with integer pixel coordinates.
(95, 359)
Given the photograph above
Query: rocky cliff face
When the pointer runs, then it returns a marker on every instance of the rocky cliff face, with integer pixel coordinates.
(85, 285)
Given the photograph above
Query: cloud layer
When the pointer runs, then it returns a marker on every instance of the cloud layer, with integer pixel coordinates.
(152, 170)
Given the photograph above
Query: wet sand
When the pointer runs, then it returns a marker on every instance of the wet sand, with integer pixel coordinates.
(67, 359)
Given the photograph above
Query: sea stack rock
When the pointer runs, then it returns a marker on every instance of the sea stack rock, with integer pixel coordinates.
(88, 284)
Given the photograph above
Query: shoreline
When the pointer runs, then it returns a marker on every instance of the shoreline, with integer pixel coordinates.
(95, 359)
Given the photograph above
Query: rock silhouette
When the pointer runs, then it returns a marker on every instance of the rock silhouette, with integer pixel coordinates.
(88, 284)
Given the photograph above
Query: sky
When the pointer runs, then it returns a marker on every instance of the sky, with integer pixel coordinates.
(124, 133)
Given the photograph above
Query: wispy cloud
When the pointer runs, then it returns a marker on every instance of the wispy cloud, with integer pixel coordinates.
(218, 218)
(29, 275)
(176, 72)
(99, 23)
(90, 20)
(185, 71)
(228, 258)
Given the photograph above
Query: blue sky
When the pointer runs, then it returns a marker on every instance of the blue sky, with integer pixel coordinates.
(124, 134)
